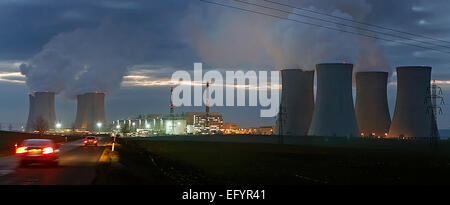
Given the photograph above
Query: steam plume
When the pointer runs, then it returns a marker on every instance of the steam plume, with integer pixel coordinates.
(233, 38)
(86, 60)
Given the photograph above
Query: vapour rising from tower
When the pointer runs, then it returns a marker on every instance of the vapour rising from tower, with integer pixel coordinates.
(42, 107)
(411, 119)
(334, 114)
(297, 102)
(372, 111)
(90, 111)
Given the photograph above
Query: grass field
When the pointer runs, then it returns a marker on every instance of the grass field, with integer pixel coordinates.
(9, 139)
(250, 163)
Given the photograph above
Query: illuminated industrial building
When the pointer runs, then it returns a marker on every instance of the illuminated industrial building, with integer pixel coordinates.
(152, 124)
(229, 128)
(203, 122)
(172, 124)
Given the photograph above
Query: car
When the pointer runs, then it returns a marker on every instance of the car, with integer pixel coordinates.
(90, 141)
(38, 151)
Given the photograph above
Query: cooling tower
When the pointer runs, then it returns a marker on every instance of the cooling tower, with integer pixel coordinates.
(42, 106)
(297, 102)
(372, 111)
(90, 111)
(411, 118)
(334, 114)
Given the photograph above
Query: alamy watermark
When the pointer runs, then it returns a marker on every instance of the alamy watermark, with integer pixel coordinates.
(256, 83)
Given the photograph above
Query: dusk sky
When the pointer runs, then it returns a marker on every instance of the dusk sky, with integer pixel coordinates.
(130, 49)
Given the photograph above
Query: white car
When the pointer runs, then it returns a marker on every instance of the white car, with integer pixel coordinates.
(38, 151)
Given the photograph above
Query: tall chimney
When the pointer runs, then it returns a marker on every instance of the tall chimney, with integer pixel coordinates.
(207, 98)
(171, 101)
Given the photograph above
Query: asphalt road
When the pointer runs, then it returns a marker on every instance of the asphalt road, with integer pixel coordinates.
(77, 166)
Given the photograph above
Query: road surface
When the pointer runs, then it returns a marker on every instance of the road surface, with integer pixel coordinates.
(77, 166)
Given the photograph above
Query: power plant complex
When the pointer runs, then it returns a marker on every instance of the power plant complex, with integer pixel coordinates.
(331, 113)
(335, 114)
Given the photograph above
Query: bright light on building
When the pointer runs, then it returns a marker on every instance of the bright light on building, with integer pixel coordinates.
(99, 124)
(58, 125)
(147, 126)
(117, 126)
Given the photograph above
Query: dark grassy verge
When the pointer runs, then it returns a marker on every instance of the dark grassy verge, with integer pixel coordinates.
(9, 139)
(273, 164)
(316, 141)
(129, 166)
(110, 172)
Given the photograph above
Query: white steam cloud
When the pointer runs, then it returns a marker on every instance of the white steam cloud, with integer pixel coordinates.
(231, 38)
(98, 58)
(86, 60)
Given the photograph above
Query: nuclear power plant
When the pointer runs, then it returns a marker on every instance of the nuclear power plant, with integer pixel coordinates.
(297, 102)
(372, 111)
(412, 119)
(90, 112)
(42, 111)
(334, 114)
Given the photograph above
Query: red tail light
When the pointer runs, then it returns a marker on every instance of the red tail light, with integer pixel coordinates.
(85, 141)
(21, 150)
(95, 141)
(47, 150)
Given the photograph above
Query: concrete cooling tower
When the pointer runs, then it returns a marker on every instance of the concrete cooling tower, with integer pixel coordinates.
(90, 111)
(297, 102)
(334, 114)
(42, 111)
(372, 111)
(411, 118)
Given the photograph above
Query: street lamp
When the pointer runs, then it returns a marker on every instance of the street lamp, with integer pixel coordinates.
(58, 126)
(117, 126)
(99, 125)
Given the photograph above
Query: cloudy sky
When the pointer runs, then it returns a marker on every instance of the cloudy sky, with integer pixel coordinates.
(129, 49)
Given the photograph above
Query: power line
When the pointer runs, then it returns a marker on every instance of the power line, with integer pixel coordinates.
(327, 27)
(358, 22)
(341, 24)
